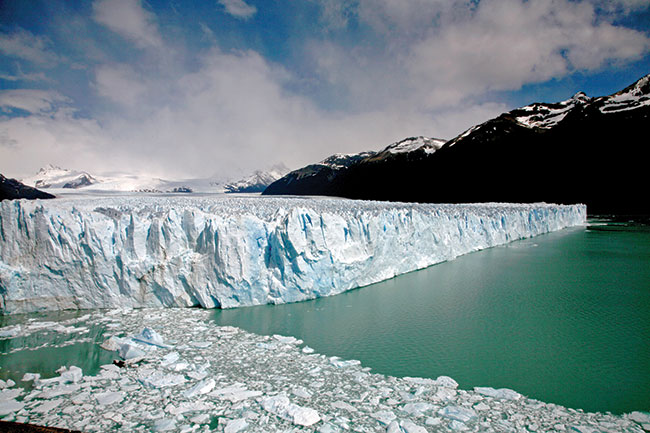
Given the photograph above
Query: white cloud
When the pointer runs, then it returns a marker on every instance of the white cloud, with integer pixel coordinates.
(238, 8)
(31, 100)
(119, 83)
(53, 133)
(129, 19)
(438, 54)
(509, 43)
(27, 46)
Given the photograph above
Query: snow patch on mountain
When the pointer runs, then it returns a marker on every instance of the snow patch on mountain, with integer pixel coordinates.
(183, 251)
(411, 144)
(52, 176)
(546, 116)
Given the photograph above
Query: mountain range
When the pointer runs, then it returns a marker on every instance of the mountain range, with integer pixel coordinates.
(582, 150)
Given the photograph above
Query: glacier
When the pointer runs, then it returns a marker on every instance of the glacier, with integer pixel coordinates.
(214, 251)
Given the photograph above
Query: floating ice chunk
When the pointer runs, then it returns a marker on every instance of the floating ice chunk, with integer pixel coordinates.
(280, 406)
(47, 406)
(417, 409)
(109, 397)
(405, 426)
(161, 380)
(307, 350)
(200, 418)
(458, 413)
(72, 374)
(112, 344)
(241, 395)
(80, 398)
(201, 344)
(164, 424)
(445, 394)
(502, 393)
(10, 406)
(343, 405)
(236, 425)
(203, 387)
(287, 340)
(481, 406)
(301, 392)
(28, 377)
(384, 416)
(129, 351)
(457, 425)
(424, 381)
(149, 336)
(170, 358)
(329, 428)
(10, 394)
(640, 417)
(409, 426)
(59, 391)
(188, 407)
(338, 362)
(446, 382)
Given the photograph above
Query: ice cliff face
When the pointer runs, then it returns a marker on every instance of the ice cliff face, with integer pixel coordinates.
(230, 252)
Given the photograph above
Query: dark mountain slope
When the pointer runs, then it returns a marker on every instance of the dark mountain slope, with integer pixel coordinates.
(583, 150)
(11, 189)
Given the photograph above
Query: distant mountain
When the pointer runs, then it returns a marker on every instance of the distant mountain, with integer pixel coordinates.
(52, 176)
(323, 178)
(11, 189)
(582, 150)
(258, 181)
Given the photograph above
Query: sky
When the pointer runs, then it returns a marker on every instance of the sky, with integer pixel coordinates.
(219, 88)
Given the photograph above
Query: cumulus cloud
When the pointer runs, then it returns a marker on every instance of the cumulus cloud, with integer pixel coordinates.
(31, 100)
(509, 43)
(52, 133)
(238, 8)
(24, 45)
(129, 19)
(438, 54)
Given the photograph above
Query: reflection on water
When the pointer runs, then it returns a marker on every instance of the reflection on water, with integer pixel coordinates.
(561, 317)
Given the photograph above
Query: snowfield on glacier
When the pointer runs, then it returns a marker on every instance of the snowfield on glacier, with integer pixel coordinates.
(228, 252)
(196, 376)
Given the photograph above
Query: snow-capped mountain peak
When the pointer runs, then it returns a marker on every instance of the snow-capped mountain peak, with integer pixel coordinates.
(429, 145)
(343, 160)
(52, 176)
(257, 181)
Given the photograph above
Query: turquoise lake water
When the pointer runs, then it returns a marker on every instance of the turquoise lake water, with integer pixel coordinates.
(564, 318)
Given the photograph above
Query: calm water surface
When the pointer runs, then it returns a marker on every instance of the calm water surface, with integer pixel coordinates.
(563, 317)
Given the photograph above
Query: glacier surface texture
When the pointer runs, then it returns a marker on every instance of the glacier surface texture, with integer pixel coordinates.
(228, 252)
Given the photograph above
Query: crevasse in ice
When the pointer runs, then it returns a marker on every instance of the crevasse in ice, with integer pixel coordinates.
(232, 251)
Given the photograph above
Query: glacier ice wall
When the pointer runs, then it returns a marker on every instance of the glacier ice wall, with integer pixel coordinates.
(230, 251)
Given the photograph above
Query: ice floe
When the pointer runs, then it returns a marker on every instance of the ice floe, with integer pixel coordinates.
(243, 382)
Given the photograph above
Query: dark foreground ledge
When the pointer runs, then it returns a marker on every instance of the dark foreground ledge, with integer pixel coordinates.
(29, 428)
